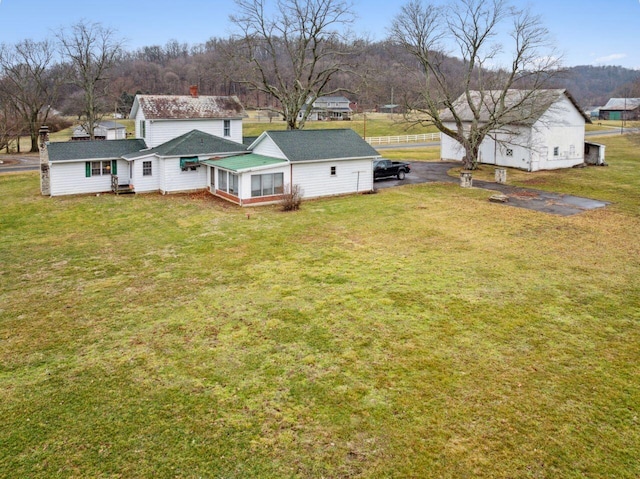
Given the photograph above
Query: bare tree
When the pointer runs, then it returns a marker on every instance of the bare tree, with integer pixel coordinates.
(28, 83)
(477, 99)
(91, 50)
(293, 53)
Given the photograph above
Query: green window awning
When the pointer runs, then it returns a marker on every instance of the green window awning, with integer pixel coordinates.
(189, 161)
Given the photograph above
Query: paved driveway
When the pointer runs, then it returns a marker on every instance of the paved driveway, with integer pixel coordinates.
(537, 200)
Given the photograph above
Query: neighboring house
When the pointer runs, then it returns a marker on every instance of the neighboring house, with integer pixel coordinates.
(160, 118)
(105, 130)
(320, 162)
(546, 132)
(620, 109)
(328, 108)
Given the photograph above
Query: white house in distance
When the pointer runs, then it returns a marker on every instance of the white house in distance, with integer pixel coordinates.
(160, 118)
(105, 130)
(328, 108)
(549, 134)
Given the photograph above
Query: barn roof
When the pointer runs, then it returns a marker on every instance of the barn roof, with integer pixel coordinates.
(621, 104)
(93, 150)
(528, 106)
(311, 145)
(186, 107)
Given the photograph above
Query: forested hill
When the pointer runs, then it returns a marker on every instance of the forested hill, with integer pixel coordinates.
(594, 85)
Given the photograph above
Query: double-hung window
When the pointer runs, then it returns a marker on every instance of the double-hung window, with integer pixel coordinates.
(98, 168)
(227, 127)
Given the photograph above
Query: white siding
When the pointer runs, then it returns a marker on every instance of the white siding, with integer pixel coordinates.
(351, 176)
(267, 147)
(70, 179)
(142, 183)
(532, 149)
(174, 179)
(138, 119)
(161, 131)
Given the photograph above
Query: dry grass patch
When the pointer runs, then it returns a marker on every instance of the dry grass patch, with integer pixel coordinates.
(421, 331)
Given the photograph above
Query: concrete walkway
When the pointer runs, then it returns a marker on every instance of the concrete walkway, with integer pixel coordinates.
(537, 200)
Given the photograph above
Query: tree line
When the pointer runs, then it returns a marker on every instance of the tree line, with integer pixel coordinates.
(278, 60)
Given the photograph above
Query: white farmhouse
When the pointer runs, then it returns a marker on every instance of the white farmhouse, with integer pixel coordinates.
(160, 118)
(546, 131)
(328, 108)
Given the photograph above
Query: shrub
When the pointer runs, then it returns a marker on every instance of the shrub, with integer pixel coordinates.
(292, 198)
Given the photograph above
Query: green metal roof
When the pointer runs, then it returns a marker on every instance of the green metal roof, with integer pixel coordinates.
(244, 162)
(332, 144)
(194, 143)
(90, 150)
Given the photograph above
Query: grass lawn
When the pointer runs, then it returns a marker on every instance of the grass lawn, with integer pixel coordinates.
(376, 124)
(418, 332)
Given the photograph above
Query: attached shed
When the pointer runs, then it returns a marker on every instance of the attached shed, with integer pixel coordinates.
(546, 130)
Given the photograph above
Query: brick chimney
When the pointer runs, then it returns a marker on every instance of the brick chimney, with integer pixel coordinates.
(45, 182)
(193, 91)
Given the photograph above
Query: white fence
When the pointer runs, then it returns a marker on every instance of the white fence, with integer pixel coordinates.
(393, 140)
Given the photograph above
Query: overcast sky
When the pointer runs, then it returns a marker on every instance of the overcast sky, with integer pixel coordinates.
(588, 32)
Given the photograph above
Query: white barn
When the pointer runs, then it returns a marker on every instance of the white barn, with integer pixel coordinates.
(549, 134)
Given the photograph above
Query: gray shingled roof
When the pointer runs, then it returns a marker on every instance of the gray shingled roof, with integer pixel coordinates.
(310, 145)
(527, 106)
(621, 104)
(92, 150)
(183, 107)
(193, 143)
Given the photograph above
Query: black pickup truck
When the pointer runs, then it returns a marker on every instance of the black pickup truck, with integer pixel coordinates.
(384, 168)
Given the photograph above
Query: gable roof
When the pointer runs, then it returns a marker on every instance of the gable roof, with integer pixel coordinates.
(312, 145)
(93, 150)
(185, 107)
(528, 106)
(622, 104)
(193, 143)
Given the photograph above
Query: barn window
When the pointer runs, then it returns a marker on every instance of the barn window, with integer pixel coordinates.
(556, 151)
(509, 152)
(146, 168)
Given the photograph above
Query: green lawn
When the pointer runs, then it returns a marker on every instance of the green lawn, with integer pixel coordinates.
(418, 332)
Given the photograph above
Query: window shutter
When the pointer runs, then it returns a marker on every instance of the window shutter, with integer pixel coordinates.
(87, 169)
(114, 167)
